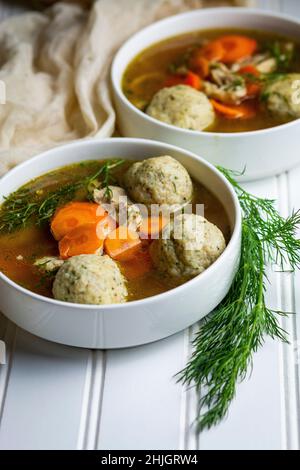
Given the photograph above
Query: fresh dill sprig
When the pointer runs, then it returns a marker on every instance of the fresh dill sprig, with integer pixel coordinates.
(108, 177)
(23, 206)
(227, 340)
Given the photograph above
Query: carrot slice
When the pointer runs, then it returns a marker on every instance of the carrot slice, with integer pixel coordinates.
(193, 80)
(82, 240)
(199, 64)
(152, 226)
(243, 111)
(190, 79)
(213, 51)
(122, 244)
(73, 215)
(237, 47)
(139, 265)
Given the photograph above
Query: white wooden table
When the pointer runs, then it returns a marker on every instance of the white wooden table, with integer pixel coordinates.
(55, 397)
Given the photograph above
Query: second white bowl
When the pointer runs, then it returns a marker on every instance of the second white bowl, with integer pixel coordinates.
(261, 153)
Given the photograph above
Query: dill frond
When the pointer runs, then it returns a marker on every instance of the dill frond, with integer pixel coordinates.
(22, 207)
(228, 338)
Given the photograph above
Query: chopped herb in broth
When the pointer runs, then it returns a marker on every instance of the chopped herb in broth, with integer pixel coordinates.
(238, 89)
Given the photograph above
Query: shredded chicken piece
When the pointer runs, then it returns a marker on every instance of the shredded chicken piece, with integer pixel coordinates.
(221, 74)
(221, 94)
(267, 66)
(264, 63)
(134, 217)
(120, 207)
(227, 87)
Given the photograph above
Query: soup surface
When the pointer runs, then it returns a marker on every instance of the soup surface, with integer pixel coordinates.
(238, 82)
(22, 242)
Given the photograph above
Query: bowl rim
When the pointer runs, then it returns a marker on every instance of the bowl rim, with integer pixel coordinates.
(117, 85)
(236, 232)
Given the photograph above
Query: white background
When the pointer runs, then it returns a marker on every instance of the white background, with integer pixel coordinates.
(55, 397)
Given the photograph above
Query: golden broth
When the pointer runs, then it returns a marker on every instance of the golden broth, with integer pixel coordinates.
(20, 249)
(146, 74)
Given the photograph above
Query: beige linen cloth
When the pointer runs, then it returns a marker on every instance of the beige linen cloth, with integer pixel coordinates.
(55, 68)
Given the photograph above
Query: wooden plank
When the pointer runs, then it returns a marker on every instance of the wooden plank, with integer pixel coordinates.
(254, 420)
(44, 395)
(272, 5)
(8, 336)
(92, 401)
(291, 7)
(42, 385)
(265, 414)
(142, 404)
(293, 372)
